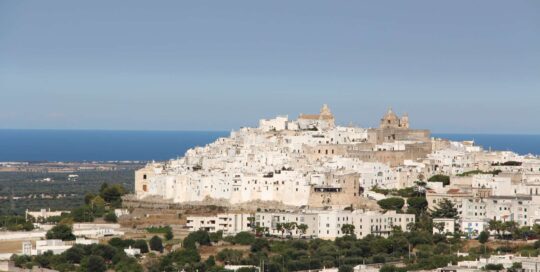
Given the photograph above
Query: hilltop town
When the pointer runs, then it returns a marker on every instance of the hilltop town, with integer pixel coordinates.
(313, 164)
(305, 162)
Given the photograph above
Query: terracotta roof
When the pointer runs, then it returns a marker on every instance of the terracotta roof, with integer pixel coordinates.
(453, 191)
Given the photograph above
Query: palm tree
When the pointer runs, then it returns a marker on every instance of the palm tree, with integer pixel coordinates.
(280, 227)
(252, 224)
(496, 226)
(259, 230)
(289, 226)
(303, 228)
(510, 226)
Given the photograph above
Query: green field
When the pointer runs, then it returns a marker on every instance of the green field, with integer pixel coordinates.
(20, 191)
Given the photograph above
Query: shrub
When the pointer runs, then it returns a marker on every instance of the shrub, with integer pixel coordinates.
(260, 245)
(142, 245)
(62, 232)
(94, 264)
(200, 237)
(169, 235)
(379, 259)
(345, 268)
(392, 203)
(244, 238)
(230, 256)
(156, 244)
(216, 236)
(111, 217)
(440, 178)
(496, 267)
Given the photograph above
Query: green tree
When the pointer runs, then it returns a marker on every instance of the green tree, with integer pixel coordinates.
(303, 228)
(512, 228)
(181, 259)
(169, 235)
(440, 178)
(445, 209)
(247, 269)
(345, 268)
(388, 268)
(347, 229)
(21, 260)
(495, 267)
(200, 237)
(279, 227)
(142, 245)
(230, 256)
(216, 236)
(259, 245)
(252, 224)
(83, 214)
(88, 198)
(289, 226)
(439, 226)
(244, 238)
(391, 203)
(483, 238)
(515, 267)
(97, 205)
(93, 263)
(417, 205)
(156, 244)
(111, 217)
(210, 262)
(75, 254)
(112, 194)
(496, 226)
(62, 232)
(128, 265)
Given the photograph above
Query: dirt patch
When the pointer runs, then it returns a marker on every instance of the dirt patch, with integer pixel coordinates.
(12, 246)
(494, 244)
(206, 251)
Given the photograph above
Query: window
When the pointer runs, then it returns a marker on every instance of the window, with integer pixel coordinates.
(144, 176)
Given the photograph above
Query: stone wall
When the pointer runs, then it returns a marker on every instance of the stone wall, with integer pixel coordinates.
(339, 190)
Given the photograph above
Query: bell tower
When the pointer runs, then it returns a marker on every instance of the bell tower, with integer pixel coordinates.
(404, 121)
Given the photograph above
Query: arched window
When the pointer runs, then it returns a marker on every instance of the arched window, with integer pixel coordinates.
(144, 176)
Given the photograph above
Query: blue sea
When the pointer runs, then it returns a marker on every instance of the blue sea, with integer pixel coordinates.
(519, 143)
(106, 145)
(99, 145)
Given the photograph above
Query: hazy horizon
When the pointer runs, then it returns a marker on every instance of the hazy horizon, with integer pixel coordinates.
(209, 130)
(454, 67)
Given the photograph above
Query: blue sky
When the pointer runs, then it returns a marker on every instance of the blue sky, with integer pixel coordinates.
(454, 66)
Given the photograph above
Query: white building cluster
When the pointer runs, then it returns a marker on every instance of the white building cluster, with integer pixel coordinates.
(324, 224)
(310, 158)
(486, 186)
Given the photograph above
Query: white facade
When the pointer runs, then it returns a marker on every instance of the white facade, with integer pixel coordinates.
(448, 224)
(327, 224)
(55, 246)
(44, 213)
(229, 224)
(473, 226)
(132, 252)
